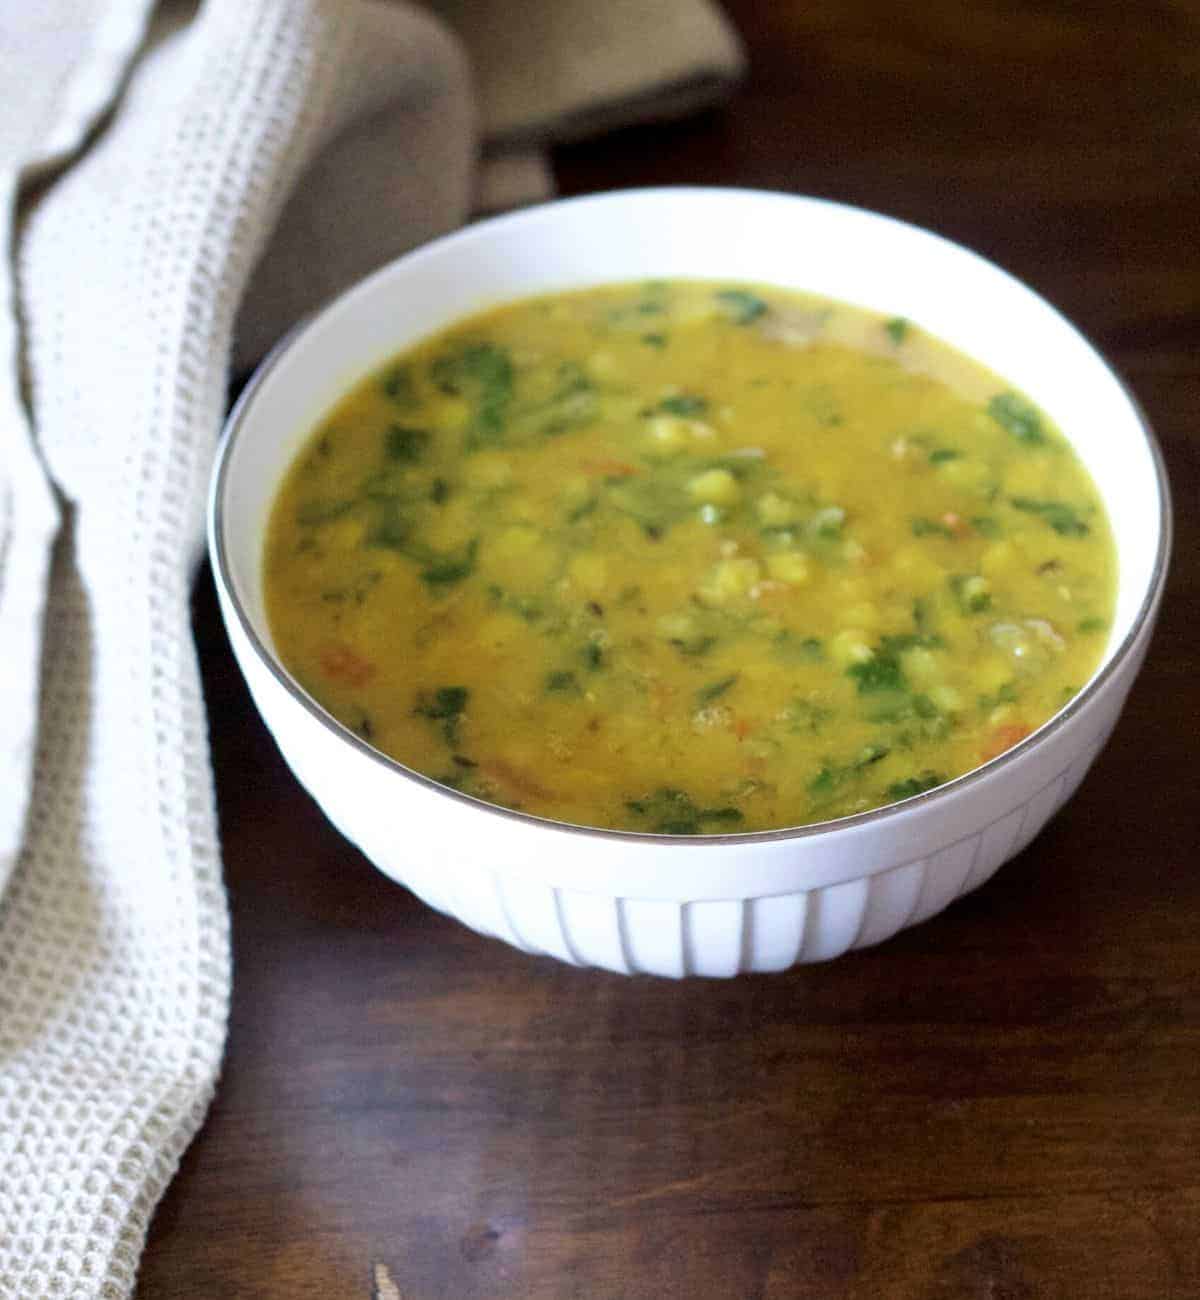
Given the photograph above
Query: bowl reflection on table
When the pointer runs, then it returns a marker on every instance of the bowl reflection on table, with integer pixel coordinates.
(711, 905)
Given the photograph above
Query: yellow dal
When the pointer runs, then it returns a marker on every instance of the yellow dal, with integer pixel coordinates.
(688, 558)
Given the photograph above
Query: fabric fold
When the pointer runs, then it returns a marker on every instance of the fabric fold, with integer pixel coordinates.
(114, 944)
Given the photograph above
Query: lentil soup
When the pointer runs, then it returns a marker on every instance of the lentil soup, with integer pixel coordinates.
(688, 558)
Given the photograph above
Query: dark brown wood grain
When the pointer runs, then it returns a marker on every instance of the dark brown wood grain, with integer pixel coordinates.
(1003, 1103)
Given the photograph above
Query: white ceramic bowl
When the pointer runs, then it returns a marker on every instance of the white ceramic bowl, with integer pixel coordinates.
(721, 904)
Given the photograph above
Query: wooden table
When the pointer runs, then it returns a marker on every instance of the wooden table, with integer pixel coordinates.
(1004, 1102)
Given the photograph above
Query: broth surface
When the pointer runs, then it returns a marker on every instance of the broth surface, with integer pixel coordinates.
(688, 558)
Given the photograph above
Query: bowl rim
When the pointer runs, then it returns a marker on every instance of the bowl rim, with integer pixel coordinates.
(238, 418)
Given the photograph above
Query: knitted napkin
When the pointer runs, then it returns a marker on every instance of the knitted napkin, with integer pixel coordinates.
(175, 144)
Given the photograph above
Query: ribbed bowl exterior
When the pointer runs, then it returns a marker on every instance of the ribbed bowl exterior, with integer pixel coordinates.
(475, 878)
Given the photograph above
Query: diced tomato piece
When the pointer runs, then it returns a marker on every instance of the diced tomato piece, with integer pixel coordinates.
(956, 524)
(616, 468)
(342, 664)
(1004, 737)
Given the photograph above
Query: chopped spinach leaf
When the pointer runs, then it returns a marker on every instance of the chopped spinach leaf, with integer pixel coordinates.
(392, 527)
(971, 593)
(439, 491)
(1018, 416)
(693, 647)
(914, 785)
(714, 690)
(833, 776)
(740, 305)
(882, 672)
(826, 780)
(397, 383)
(922, 617)
(673, 812)
(561, 683)
(654, 340)
(985, 526)
(483, 374)
(1005, 694)
(941, 455)
(530, 608)
(929, 528)
(901, 641)
(685, 404)
(897, 329)
(582, 510)
(593, 656)
(314, 513)
(1064, 519)
(448, 569)
(1092, 625)
(446, 705)
(406, 444)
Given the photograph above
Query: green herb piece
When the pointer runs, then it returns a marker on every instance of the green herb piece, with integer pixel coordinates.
(654, 340)
(673, 812)
(922, 617)
(392, 527)
(446, 570)
(314, 513)
(582, 510)
(727, 815)
(694, 647)
(1092, 625)
(1063, 518)
(685, 404)
(406, 444)
(561, 683)
(914, 785)
(483, 374)
(897, 329)
(833, 776)
(882, 672)
(1006, 694)
(943, 454)
(929, 528)
(593, 656)
(1018, 416)
(530, 608)
(446, 705)
(740, 305)
(714, 690)
(985, 526)
(901, 641)
(971, 593)
(826, 781)
(439, 491)
(827, 523)
(397, 383)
